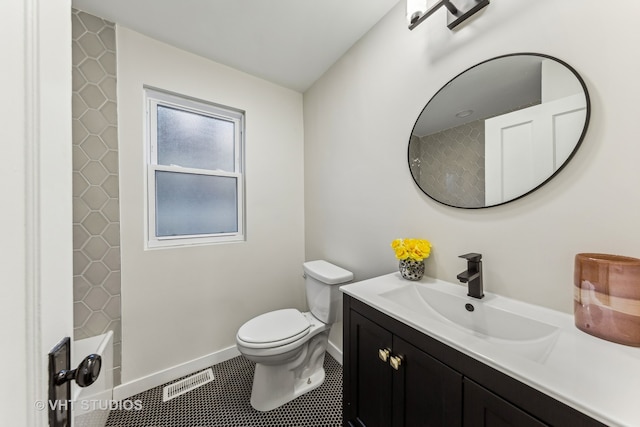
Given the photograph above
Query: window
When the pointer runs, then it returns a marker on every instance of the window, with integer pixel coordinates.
(194, 171)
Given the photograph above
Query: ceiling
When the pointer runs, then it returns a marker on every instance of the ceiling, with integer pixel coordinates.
(288, 42)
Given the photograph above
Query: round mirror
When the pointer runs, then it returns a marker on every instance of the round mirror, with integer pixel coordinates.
(499, 130)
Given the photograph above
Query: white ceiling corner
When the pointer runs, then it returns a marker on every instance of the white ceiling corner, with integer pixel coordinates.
(288, 42)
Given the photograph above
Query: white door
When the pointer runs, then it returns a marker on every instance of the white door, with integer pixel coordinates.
(525, 147)
(36, 248)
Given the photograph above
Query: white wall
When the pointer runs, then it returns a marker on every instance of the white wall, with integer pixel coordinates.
(36, 248)
(183, 304)
(359, 194)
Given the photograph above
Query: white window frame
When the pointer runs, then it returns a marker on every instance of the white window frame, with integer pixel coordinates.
(153, 98)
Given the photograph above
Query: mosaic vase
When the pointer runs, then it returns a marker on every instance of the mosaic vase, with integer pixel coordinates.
(411, 270)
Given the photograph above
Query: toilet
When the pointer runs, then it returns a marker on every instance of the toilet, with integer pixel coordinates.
(288, 346)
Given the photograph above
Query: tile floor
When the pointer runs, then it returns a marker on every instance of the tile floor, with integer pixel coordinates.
(225, 402)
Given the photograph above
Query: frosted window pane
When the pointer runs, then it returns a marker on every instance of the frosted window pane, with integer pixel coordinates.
(193, 140)
(189, 204)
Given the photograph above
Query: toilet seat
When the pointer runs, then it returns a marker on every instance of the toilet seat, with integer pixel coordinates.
(274, 329)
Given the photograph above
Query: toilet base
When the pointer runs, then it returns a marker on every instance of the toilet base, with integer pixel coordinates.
(271, 397)
(275, 385)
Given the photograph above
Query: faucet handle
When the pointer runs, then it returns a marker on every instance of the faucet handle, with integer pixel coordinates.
(473, 257)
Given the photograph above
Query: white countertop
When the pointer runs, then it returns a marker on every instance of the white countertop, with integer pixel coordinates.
(594, 376)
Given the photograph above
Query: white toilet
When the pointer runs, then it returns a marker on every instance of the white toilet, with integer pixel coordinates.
(288, 346)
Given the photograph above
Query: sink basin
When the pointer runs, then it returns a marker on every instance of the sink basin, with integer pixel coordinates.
(525, 336)
(484, 319)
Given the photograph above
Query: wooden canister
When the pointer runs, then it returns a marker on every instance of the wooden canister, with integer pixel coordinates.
(607, 297)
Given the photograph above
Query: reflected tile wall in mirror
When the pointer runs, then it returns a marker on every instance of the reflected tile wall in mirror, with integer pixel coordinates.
(452, 164)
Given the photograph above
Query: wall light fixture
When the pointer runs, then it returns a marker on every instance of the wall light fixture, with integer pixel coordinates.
(459, 11)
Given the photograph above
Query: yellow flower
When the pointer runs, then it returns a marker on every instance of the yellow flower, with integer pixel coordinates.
(402, 253)
(414, 249)
(396, 243)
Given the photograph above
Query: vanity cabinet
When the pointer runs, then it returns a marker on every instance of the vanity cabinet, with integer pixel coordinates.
(397, 376)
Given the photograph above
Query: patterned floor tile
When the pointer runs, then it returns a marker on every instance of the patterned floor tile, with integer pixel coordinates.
(224, 402)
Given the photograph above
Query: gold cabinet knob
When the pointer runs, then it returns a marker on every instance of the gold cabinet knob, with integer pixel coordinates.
(383, 354)
(395, 362)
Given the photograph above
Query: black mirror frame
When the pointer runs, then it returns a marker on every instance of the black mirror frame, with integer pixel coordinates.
(556, 172)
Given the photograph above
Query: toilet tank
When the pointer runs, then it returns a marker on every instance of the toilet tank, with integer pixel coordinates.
(322, 280)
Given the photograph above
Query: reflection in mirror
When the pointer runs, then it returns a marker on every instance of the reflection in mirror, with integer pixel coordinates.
(499, 130)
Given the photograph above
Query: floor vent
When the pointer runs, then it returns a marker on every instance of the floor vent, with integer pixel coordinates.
(183, 386)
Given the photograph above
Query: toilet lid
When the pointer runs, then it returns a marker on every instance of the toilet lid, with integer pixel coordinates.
(275, 328)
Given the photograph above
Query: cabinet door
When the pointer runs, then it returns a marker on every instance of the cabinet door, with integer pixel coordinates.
(368, 374)
(426, 392)
(482, 408)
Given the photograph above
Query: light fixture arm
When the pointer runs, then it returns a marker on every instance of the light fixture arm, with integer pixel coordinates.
(418, 19)
(457, 14)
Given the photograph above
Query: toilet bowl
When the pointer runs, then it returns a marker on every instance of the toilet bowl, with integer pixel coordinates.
(287, 367)
(288, 346)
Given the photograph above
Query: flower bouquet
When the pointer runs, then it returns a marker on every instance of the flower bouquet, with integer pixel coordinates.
(411, 253)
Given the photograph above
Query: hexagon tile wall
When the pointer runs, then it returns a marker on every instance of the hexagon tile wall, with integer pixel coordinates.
(96, 214)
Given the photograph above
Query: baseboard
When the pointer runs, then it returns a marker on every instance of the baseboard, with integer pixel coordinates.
(156, 379)
(335, 352)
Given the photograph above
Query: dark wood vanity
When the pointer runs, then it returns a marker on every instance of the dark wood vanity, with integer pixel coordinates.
(395, 375)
